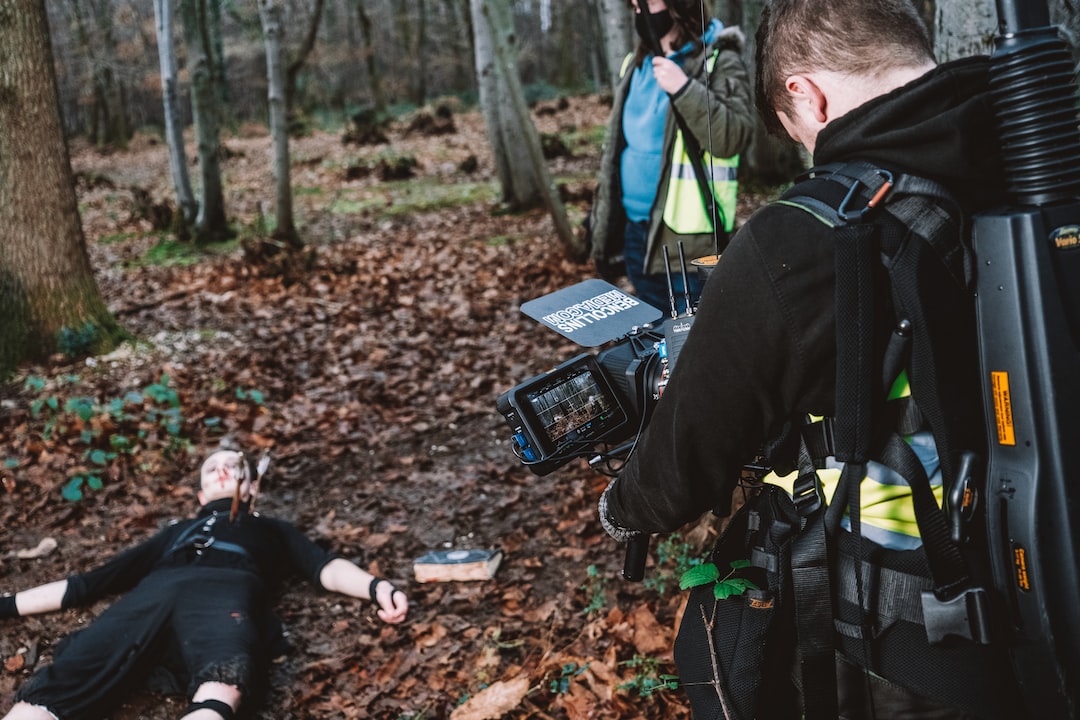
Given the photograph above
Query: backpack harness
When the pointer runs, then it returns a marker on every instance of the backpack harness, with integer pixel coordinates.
(844, 593)
(952, 607)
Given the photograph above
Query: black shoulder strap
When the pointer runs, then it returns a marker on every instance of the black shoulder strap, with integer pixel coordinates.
(925, 209)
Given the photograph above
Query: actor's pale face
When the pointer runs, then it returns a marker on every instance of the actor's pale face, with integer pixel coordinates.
(220, 473)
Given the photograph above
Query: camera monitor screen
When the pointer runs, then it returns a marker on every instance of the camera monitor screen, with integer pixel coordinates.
(573, 404)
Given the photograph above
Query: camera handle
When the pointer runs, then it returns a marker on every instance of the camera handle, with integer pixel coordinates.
(637, 552)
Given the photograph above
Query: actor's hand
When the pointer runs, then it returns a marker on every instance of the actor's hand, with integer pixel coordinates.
(669, 76)
(611, 525)
(392, 603)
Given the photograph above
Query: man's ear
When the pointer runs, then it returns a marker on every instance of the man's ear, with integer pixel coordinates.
(807, 98)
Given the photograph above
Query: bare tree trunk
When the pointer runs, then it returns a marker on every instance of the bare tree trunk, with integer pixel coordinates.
(211, 224)
(421, 53)
(617, 21)
(296, 64)
(270, 15)
(963, 28)
(529, 178)
(215, 47)
(373, 76)
(174, 129)
(95, 36)
(49, 300)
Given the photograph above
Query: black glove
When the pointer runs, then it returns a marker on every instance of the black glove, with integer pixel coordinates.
(8, 608)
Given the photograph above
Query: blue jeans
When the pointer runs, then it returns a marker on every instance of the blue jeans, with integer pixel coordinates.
(653, 287)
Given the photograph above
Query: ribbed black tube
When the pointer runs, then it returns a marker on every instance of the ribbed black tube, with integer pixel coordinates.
(1035, 103)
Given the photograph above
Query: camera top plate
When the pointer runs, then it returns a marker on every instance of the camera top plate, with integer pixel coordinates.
(592, 312)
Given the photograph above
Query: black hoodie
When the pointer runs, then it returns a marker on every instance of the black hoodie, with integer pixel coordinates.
(763, 347)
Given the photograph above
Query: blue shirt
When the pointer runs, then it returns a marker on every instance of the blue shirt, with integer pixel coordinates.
(644, 114)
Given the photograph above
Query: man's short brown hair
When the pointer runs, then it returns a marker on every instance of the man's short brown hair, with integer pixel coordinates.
(853, 37)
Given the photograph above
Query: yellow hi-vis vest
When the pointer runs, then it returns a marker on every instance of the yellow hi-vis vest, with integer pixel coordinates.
(684, 208)
(887, 512)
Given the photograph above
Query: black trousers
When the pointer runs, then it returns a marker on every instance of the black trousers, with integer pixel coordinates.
(206, 618)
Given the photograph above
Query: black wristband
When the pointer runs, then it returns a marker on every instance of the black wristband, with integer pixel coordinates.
(8, 609)
(374, 584)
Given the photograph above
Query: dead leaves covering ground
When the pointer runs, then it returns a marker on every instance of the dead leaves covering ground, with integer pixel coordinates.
(372, 382)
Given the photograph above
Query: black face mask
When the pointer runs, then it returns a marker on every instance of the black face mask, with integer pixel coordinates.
(660, 22)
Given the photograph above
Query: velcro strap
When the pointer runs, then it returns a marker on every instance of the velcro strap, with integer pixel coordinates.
(221, 708)
(888, 594)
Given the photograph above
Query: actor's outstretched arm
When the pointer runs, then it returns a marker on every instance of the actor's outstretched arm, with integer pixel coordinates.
(340, 575)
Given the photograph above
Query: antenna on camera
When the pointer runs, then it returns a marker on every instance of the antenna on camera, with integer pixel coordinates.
(670, 284)
(685, 281)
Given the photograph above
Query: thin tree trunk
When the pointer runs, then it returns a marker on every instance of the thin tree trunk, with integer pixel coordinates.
(211, 224)
(49, 299)
(296, 64)
(270, 14)
(109, 126)
(373, 76)
(532, 179)
(617, 22)
(215, 44)
(421, 53)
(174, 129)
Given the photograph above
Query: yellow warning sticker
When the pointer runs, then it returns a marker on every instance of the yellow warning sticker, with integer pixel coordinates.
(1006, 432)
(1023, 580)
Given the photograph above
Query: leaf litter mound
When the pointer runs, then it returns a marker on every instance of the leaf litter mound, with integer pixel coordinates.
(371, 380)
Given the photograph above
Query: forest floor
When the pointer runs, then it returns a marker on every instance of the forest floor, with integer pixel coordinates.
(370, 376)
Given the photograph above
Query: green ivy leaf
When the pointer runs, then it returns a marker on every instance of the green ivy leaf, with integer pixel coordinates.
(98, 457)
(73, 489)
(94, 482)
(739, 564)
(699, 575)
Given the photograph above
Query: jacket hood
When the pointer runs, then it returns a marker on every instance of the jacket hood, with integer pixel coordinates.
(940, 126)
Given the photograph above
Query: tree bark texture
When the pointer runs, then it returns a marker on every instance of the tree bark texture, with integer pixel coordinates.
(211, 223)
(95, 37)
(369, 57)
(270, 12)
(46, 283)
(963, 28)
(531, 183)
(296, 63)
(174, 128)
(617, 21)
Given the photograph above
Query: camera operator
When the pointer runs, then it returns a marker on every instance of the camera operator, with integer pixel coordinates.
(647, 194)
(848, 80)
(198, 595)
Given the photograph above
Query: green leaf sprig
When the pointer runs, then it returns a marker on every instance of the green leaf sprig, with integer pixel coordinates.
(727, 586)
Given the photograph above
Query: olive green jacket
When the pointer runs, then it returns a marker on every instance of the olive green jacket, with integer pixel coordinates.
(720, 116)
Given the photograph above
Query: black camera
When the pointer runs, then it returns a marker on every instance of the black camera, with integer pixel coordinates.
(589, 400)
